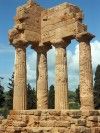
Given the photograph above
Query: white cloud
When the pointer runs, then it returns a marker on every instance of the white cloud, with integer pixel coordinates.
(4, 49)
(95, 50)
(73, 64)
(31, 68)
(51, 66)
(73, 68)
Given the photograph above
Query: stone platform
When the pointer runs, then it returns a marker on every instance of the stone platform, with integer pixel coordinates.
(51, 121)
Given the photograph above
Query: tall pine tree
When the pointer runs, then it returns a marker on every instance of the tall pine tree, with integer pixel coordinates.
(51, 97)
(97, 88)
(77, 99)
(31, 97)
(9, 96)
(2, 98)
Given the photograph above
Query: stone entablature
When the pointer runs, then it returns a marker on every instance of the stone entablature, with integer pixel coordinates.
(36, 24)
(62, 21)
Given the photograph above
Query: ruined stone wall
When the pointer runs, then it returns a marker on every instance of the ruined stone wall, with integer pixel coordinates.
(52, 121)
(28, 21)
(36, 24)
(2, 124)
(61, 21)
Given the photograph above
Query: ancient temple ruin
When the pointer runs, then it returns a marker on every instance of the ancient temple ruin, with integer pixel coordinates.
(41, 29)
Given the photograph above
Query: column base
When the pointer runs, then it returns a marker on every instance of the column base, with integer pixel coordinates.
(51, 121)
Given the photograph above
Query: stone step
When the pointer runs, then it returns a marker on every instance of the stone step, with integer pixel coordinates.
(40, 129)
(45, 130)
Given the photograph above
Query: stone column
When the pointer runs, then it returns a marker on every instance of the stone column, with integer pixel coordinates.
(20, 83)
(86, 76)
(61, 85)
(42, 77)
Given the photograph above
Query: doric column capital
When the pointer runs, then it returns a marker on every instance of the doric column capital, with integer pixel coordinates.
(84, 37)
(17, 39)
(61, 43)
(12, 33)
(42, 48)
(20, 46)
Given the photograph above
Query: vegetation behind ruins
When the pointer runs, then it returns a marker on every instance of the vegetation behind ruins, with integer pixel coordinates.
(6, 97)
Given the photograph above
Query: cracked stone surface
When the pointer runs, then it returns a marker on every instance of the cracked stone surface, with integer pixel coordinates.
(52, 121)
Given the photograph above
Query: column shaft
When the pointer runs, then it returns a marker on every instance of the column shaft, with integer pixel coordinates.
(42, 80)
(61, 86)
(20, 85)
(86, 76)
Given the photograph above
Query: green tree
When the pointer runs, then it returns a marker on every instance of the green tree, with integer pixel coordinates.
(3, 110)
(71, 96)
(31, 97)
(97, 88)
(9, 95)
(77, 99)
(51, 97)
(2, 97)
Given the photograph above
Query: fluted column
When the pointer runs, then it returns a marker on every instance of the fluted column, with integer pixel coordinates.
(20, 83)
(42, 77)
(86, 75)
(61, 85)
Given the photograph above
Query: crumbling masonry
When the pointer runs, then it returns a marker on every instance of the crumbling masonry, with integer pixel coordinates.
(43, 28)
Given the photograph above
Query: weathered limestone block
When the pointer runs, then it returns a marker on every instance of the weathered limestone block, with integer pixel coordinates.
(62, 31)
(61, 85)
(45, 123)
(81, 122)
(19, 124)
(74, 114)
(40, 130)
(93, 118)
(28, 21)
(86, 76)
(16, 37)
(62, 124)
(61, 12)
(73, 125)
(33, 121)
(95, 130)
(61, 21)
(3, 124)
(36, 24)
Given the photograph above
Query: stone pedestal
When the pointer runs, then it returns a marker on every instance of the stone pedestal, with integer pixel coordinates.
(42, 77)
(61, 85)
(86, 76)
(52, 121)
(20, 83)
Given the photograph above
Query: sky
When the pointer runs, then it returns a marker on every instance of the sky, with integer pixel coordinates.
(91, 9)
